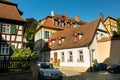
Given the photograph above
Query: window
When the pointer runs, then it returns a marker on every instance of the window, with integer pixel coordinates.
(55, 22)
(80, 36)
(62, 57)
(8, 28)
(94, 57)
(47, 34)
(1, 57)
(62, 24)
(68, 24)
(70, 57)
(5, 49)
(80, 58)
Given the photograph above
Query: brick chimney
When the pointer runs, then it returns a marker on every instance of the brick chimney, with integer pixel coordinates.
(102, 17)
(77, 18)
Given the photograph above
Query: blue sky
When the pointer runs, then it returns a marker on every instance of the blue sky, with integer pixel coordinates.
(88, 10)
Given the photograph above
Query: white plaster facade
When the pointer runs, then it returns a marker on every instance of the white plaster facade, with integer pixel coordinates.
(75, 55)
(89, 53)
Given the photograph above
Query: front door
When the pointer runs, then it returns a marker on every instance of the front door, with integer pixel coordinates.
(55, 58)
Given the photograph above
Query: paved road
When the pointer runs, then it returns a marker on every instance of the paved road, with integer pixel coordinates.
(76, 75)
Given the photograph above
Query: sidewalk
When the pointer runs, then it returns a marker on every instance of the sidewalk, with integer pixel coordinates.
(71, 71)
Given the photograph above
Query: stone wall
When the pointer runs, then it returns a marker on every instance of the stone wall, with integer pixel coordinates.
(16, 76)
(109, 52)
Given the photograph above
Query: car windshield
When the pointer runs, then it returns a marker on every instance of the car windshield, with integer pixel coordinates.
(46, 65)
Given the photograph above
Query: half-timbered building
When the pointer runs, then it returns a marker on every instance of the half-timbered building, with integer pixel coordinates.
(11, 28)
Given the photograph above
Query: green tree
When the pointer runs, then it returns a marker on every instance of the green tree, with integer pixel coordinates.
(24, 53)
(29, 32)
(118, 23)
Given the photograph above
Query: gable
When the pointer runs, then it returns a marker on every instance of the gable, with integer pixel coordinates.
(102, 27)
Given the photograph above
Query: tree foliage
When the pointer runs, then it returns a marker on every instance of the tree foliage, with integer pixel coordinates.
(24, 53)
(118, 23)
(29, 32)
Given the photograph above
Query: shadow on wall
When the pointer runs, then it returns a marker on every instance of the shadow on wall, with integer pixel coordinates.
(43, 49)
(114, 53)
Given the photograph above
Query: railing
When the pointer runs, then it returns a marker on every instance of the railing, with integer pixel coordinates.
(14, 65)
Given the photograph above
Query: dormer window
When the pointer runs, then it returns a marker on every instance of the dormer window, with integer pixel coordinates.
(55, 22)
(80, 36)
(68, 24)
(77, 36)
(63, 39)
(51, 41)
(62, 24)
(60, 40)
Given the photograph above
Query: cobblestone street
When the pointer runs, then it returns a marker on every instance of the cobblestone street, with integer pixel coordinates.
(76, 75)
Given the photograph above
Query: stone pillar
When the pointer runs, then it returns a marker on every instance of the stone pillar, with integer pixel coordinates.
(34, 68)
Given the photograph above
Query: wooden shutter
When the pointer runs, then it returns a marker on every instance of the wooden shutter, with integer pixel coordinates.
(13, 29)
(12, 47)
(50, 33)
(44, 34)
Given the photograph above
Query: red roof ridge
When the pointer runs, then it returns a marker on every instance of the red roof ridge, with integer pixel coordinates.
(88, 30)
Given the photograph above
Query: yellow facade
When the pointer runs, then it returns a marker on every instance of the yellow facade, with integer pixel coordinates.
(111, 25)
(41, 23)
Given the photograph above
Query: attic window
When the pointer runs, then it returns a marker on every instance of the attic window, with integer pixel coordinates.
(68, 24)
(60, 40)
(51, 41)
(62, 24)
(80, 36)
(55, 22)
(77, 36)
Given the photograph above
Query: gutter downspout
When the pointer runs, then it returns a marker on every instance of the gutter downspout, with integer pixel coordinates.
(90, 69)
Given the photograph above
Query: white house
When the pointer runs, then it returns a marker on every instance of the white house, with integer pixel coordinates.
(75, 47)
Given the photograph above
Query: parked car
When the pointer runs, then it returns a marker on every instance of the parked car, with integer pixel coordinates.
(114, 68)
(49, 72)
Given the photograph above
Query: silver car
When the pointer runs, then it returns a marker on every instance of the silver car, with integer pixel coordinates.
(49, 72)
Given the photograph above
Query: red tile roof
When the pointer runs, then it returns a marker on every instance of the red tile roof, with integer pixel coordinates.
(88, 30)
(49, 23)
(9, 11)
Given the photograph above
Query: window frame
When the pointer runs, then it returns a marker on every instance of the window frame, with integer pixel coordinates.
(62, 24)
(70, 59)
(56, 22)
(62, 56)
(46, 34)
(5, 49)
(81, 56)
(6, 28)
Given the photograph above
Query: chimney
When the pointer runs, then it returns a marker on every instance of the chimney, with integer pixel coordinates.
(102, 17)
(77, 18)
(52, 13)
